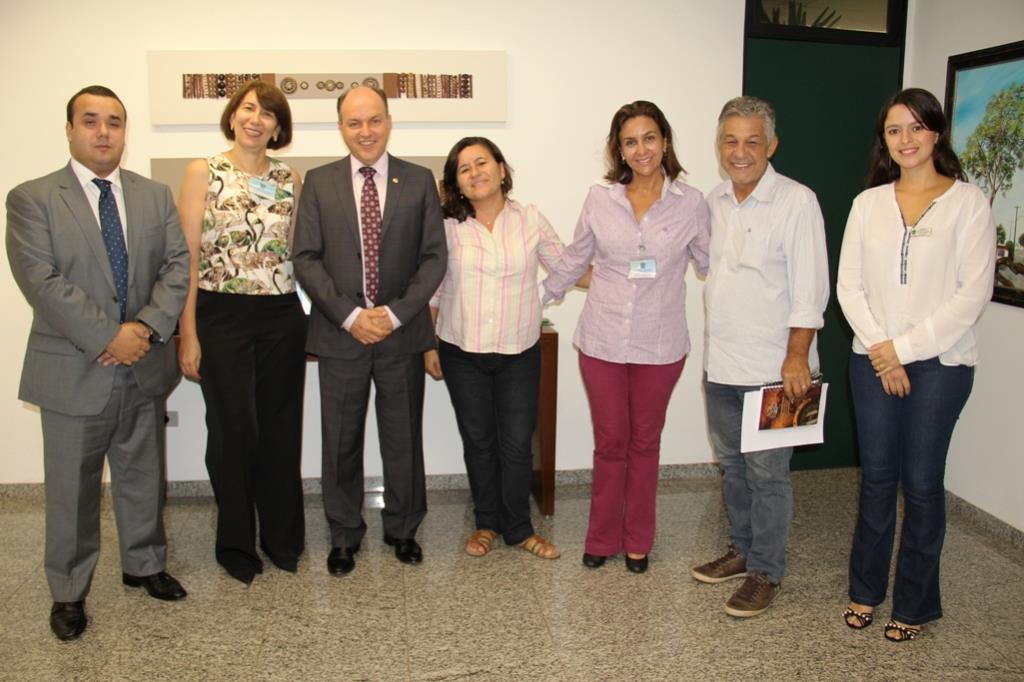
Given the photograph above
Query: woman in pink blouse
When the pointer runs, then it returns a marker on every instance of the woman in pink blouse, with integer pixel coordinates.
(640, 230)
(487, 315)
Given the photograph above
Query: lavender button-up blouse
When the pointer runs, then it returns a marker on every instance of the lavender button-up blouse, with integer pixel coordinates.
(634, 320)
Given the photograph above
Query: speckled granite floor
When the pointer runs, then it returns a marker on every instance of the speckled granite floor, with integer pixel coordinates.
(509, 616)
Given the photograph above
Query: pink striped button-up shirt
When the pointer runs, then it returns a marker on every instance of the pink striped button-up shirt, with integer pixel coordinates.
(634, 320)
(489, 301)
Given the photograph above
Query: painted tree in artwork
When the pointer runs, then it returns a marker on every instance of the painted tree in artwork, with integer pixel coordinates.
(995, 150)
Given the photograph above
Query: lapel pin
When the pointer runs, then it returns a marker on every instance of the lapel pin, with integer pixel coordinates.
(394, 181)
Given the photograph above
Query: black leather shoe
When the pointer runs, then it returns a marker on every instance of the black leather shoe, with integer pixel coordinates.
(160, 585)
(593, 560)
(407, 550)
(67, 619)
(341, 560)
(636, 565)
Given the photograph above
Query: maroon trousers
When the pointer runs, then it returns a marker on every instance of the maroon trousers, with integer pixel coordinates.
(627, 408)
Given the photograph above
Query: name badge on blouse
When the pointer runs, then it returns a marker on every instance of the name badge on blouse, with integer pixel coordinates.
(643, 268)
(922, 232)
(264, 189)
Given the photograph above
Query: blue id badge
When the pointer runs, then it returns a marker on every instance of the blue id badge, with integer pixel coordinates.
(264, 189)
(643, 268)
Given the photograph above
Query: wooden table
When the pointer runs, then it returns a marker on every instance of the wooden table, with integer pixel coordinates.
(543, 485)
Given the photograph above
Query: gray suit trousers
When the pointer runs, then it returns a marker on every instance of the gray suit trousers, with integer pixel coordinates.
(344, 390)
(130, 432)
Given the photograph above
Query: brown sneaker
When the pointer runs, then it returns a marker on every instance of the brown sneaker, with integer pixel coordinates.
(727, 567)
(753, 597)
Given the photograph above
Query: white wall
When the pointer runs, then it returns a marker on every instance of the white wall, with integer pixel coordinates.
(986, 462)
(570, 65)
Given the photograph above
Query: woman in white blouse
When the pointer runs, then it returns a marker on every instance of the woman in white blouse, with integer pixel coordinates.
(487, 316)
(915, 273)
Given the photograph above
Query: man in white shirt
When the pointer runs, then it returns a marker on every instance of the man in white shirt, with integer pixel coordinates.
(765, 298)
(99, 255)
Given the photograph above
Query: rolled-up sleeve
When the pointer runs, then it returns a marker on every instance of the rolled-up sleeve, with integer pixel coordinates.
(807, 267)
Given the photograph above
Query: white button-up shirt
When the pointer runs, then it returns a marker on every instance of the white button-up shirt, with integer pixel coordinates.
(768, 274)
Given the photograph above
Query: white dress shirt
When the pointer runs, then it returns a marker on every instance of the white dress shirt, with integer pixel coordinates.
(380, 179)
(924, 286)
(92, 193)
(768, 274)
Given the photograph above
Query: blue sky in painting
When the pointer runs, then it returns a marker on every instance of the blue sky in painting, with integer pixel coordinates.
(974, 87)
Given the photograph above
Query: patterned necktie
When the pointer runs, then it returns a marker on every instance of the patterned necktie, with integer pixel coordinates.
(369, 215)
(113, 237)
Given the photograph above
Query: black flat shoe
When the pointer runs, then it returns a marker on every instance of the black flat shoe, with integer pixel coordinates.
(636, 565)
(160, 585)
(67, 619)
(341, 560)
(593, 560)
(407, 550)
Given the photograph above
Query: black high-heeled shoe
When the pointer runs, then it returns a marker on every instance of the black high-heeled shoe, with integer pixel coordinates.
(593, 560)
(636, 565)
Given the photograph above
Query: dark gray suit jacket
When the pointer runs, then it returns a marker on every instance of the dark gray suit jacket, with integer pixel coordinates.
(59, 261)
(328, 258)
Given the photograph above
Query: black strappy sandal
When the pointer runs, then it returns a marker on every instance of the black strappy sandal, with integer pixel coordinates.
(862, 619)
(905, 634)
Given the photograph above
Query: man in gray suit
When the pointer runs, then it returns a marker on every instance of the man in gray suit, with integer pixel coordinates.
(370, 275)
(99, 255)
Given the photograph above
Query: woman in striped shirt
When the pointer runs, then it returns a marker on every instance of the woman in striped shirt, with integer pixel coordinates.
(487, 316)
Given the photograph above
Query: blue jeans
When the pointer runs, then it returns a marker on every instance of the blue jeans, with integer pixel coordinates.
(904, 441)
(758, 494)
(495, 400)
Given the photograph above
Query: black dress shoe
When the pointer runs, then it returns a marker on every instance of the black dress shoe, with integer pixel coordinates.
(593, 560)
(160, 585)
(341, 560)
(407, 550)
(67, 619)
(636, 565)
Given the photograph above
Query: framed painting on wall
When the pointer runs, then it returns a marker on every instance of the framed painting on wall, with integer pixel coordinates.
(985, 105)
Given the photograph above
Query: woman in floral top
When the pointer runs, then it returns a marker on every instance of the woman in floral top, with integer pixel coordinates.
(243, 332)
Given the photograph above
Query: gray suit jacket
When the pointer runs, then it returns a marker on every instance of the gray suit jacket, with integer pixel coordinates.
(59, 261)
(328, 259)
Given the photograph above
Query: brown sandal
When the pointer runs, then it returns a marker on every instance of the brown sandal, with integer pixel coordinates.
(539, 547)
(479, 543)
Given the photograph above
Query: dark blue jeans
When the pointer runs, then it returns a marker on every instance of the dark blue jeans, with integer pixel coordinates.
(495, 401)
(904, 441)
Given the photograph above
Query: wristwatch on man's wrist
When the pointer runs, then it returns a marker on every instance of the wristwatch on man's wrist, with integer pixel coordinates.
(154, 336)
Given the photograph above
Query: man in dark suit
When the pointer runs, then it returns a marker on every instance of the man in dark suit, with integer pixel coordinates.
(99, 255)
(370, 275)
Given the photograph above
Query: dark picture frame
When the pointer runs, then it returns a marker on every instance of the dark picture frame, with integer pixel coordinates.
(985, 107)
(757, 27)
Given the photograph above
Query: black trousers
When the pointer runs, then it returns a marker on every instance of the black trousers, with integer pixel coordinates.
(253, 372)
(495, 400)
(344, 398)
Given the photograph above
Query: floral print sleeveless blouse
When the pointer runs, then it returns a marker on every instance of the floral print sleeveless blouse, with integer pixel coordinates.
(246, 230)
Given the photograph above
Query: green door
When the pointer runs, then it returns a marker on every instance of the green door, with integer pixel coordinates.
(826, 97)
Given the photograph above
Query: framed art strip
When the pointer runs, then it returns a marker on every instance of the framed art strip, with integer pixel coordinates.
(422, 85)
